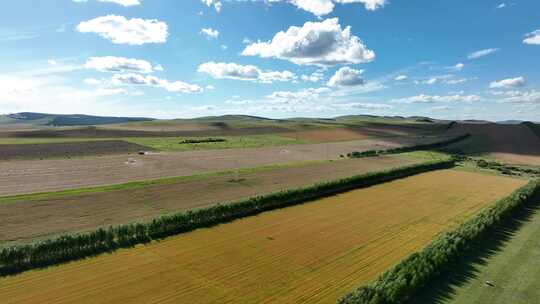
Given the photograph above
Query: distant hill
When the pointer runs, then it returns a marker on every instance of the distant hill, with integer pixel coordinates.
(64, 120)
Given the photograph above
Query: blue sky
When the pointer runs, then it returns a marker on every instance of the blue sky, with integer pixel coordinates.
(277, 58)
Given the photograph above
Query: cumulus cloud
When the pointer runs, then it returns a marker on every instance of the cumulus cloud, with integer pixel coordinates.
(210, 33)
(346, 77)
(508, 83)
(120, 65)
(152, 81)
(120, 2)
(222, 70)
(481, 53)
(315, 43)
(423, 98)
(215, 3)
(532, 38)
(120, 30)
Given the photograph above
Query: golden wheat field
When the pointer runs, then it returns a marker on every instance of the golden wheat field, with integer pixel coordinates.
(311, 253)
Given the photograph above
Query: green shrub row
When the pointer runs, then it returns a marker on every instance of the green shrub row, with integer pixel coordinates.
(202, 140)
(399, 284)
(436, 145)
(72, 247)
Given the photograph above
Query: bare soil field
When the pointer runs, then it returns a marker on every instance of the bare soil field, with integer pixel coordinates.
(27, 176)
(311, 253)
(515, 144)
(26, 220)
(67, 150)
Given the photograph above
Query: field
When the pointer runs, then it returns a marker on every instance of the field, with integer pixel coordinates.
(28, 217)
(68, 150)
(312, 253)
(28, 176)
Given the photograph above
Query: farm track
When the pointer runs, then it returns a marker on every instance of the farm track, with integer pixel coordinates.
(311, 253)
(19, 177)
(27, 220)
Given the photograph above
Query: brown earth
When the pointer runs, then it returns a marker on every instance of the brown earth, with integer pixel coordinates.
(310, 253)
(69, 149)
(26, 176)
(27, 220)
(515, 144)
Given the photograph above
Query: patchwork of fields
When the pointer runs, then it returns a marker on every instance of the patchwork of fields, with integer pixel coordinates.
(311, 253)
(30, 217)
(57, 174)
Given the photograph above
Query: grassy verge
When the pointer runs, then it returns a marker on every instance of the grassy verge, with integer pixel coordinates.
(405, 280)
(72, 247)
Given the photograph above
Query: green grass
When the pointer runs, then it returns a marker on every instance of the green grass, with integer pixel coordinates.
(251, 141)
(140, 184)
(513, 267)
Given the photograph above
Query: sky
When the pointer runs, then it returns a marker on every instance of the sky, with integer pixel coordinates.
(457, 59)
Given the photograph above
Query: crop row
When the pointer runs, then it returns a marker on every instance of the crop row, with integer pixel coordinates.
(76, 246)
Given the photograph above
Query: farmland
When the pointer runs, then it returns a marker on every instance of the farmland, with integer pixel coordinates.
(311, 253)
(29, 217)
(34, 175)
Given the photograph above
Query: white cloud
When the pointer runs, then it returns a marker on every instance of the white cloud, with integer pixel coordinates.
(458, 67)
(346, 77)
(481, 53)
(120, 30)
(422, 98)
(316, 7)
(508, 83)
(530, 97)
(119, 65)
(152, 81)
(533, 37)
(315, 43)
(210, 33)
(502, 5)
(120, 2)
(401, 77)
(302, 96)
(222, 70)
(92, 81)
(314, 77)
(215, 3)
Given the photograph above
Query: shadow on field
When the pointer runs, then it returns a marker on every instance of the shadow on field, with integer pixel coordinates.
(463, 271)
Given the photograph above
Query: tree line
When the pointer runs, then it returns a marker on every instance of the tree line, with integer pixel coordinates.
(432, 146)
(19, 258)
(399, 284)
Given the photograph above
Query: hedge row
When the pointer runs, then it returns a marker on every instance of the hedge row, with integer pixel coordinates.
(436, 145)
(399, 284)
(72, 247)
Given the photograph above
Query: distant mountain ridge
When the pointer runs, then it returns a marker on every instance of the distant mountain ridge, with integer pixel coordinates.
(59, 120)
